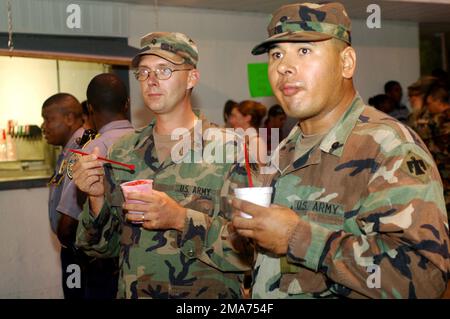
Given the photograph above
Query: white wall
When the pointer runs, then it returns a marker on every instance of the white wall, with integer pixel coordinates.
(50, 17)
(388, 53)
(29, 252)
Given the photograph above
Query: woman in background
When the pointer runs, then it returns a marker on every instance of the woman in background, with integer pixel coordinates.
(247, 116)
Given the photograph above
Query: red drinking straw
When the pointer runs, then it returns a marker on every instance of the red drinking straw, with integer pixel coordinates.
(247, 166)
(129, 166)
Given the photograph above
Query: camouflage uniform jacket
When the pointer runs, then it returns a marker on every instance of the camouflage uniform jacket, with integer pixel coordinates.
(436, 130)
(422, 125)
(373, 200)
(196, 263)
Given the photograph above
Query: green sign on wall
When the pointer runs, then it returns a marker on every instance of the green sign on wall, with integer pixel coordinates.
(258, 81)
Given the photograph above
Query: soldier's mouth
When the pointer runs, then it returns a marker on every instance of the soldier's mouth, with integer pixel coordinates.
(154, 95)
(289, 90)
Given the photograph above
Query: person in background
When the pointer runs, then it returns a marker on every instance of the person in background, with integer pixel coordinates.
(63, 124)
(438, 133)
(417, 94)
(181, 244)
(108, 104)
(355, 192)
(381, 102)
(276, 118)
(246, 118)
(89, 131)
(229, 105)
(394, 91)
(247, 114)
(87, 121)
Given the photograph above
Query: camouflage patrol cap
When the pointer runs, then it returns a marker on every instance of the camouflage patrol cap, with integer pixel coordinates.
(303, 22)
(174, 47)
(422, 85)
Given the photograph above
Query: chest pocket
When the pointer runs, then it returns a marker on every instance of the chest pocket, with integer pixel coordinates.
(199, 198)
(327, 214)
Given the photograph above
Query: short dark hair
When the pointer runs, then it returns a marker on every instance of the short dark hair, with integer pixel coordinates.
(107, 93)
(439, 92)
(388, 86)
(256, 110)
(84, 107)
(422, 85)
(67, 103)
(377, 100)
(228, 107)
(275, 110)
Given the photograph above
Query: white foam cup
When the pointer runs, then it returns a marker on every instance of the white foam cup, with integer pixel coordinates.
(257, 195)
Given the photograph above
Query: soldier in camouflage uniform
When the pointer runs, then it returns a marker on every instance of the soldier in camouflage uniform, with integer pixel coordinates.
(357, 208)
(437, 131)
(417, 94)
(182, 249)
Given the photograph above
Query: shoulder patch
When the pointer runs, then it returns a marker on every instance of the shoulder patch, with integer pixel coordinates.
(413, 165)
(70, 163)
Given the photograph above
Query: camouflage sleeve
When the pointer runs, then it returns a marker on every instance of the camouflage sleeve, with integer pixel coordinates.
(210, 239)
(99, 236)
(397, 245)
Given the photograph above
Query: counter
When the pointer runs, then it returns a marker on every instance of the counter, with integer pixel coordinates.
(32, 167)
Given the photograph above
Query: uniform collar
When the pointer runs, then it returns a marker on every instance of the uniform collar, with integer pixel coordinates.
(335, 139)
(72, 143)
(332, 143)
(200, 125)
(114, 125)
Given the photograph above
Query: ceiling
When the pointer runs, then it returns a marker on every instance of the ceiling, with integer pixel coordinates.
(425, 11)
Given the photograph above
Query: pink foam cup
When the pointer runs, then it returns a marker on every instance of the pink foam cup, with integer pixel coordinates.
(137, 186)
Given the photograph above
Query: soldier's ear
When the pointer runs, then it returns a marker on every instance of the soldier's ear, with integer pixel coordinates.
(90, 109)
(348, 58)
(69, 118)
(193, 78)
(127, 106)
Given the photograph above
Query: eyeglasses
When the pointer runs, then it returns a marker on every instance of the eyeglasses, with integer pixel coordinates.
(161, 73)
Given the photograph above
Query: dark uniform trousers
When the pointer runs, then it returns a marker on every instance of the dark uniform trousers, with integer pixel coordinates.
(99, 276)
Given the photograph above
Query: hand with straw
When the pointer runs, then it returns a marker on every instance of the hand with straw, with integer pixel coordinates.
(129, 166)
(268, 226)
(88, 175)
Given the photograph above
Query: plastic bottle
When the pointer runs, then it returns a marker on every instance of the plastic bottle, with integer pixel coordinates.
(3, 153)
(11, 154)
